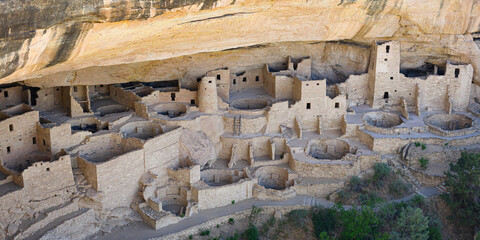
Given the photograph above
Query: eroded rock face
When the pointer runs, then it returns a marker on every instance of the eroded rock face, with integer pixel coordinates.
(65, 41)
(196, 148)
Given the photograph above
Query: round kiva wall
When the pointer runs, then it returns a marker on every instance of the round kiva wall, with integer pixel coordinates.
(382, 119)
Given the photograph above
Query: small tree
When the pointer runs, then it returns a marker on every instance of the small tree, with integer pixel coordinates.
(423, 162)
(252, 232)
(358, 223)
(463, 185)
(411, 224)
(382, 170)
(356, 184)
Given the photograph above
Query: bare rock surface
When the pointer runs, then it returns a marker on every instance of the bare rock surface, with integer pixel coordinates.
(79, 227)
(197, 147)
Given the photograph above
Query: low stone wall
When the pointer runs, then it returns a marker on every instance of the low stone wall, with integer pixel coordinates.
(428, 180)
(449, 133)
(263, 193)
(387, 131)
(320, 190)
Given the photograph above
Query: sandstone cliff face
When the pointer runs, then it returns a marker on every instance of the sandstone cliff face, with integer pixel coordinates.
(62, 42)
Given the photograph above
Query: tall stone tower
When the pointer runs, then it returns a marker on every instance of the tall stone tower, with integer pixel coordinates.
(207, 95)
(384, 73)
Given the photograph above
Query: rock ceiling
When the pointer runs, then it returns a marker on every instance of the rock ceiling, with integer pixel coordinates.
(64, 42)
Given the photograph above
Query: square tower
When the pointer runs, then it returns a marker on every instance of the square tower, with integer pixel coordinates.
(384, 70)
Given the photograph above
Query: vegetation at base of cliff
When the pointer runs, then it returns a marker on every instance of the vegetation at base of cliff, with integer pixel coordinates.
(404, 220)
(383, 184)
(463, 186)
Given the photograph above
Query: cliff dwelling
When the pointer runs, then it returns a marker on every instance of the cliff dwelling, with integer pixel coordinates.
(118, 116)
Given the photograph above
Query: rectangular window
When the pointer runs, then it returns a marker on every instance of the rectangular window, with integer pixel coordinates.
(385, 95)
(391, 78)
(172, 96)
(386, 59)
(75, 89)
(101, 85)
(192, 102)
(9, 149)
(199, 79)
(308, 105)
(218, 77)
(44, 142)
(234, 81)
(245, 79)
(11, 127)
(257, 79)
(457, 72)
(209, 81)
(5, 94)
(388, 49)
(337, 105)
(34, 140)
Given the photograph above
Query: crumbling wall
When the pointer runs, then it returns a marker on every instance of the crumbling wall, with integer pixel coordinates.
(18, 136)
(355, 89)
(187, 175)
(48, 176)
(123, 97)
(10, 97)
(49, 98)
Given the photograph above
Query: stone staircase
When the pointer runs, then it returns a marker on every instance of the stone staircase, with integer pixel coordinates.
(441, 188)
(406, 173)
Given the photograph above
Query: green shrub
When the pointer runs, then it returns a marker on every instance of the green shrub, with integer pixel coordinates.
(423, 162)
(233, 201)
(387, 212)
(463, 182)
(231, 221)
(382, 170)
(234, 237)
(434, 233)
(218, 225)
(358, 223)
(252, 232)
(424, 146)
(343, 196)
(324, 221)
(190, 237)
(417, 144)
(411, 224)
(356, 184)
(205, 233)
(369, 199)
(417, 200)
(325, 236)
(398, 187)
(298, 217)
(253, 213)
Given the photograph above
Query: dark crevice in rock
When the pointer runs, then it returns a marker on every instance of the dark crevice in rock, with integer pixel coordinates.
(67, 44)
(222, 16)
